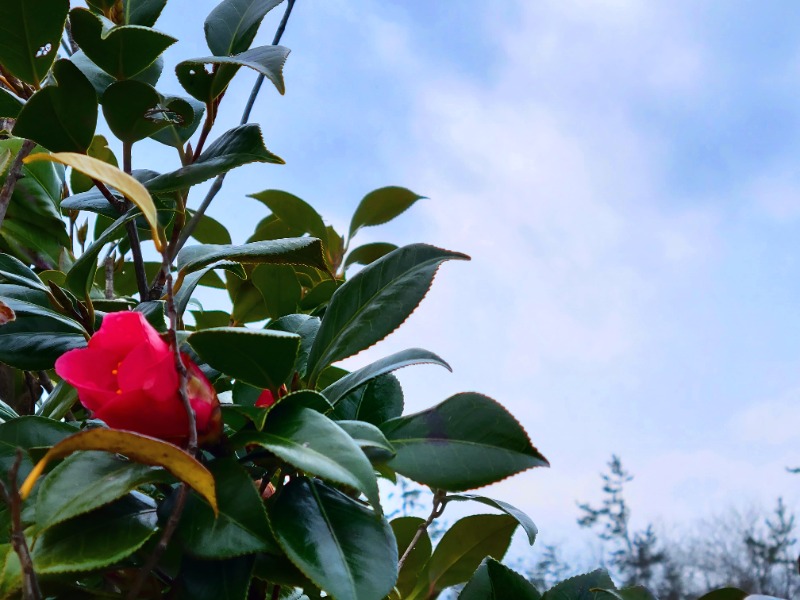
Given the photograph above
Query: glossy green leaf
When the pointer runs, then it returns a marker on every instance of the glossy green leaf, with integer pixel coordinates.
(135, 110)
(381, 206)
(463, 548)
(6, 412)
(370, 439)
(727, 593)
(63, 496)
(281, 571)
(375, 302)
(524, 520)
(177, 132)
(376, 402)
(81, 275)
(98, 149)
(11, 578)
(210, 231)
(310, 441)
(18, 292)
(467, 441)
(205, 87)
(405, 528)
(336, 541)
(580, 586)
(30, 32)
(28, 432)
(120, 51)
(280, 288)
(239, 146)
(495, 581)
(59, 402)
(241, 526)
(248, 303)
(304, 251)
(306, 327)
(232, 26)
(629, 593)
(293, 211)
(142, 12)
(368, 253)
(10, 105)
(61, 117)
(398, 360)
(37, 337)
(100, 80)
(319, 295)
(14, 271)
(214, 579)
(191, 281)
(97, 539)
(260, 357)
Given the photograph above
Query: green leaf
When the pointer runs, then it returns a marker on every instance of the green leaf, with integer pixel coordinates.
(467, 441)
(210, 231)
(15, 271)
(61, 117)
(191, 281)
(59, 402)
(464, 546)
(135, 110)
(6, 412)
(306, 327)
(313, 443)
(405, 528)
(629, 593)
(579, 587)
(239, 146)
(495, 581)
(241, 526)
(232, 26)
(368, 253)
(376, 402)
(260, 357)
(30, 32)
(293, 211)
(28, 432)
(214, 579)
(18, 292)
(37, 337)
(63, 496)
(176, 134)
(319, 295)
(95, 540)
(524, 520)
(81, 275)
(375, 302)
(205, 87)
(335, 541)
(120, 51)
(303, 251)
(100, 80)
(727, 593)
(280, 288)
(370, 439)
(142, 12)
(398, 360)
(381, 206)
(248, 303)
(10, 105)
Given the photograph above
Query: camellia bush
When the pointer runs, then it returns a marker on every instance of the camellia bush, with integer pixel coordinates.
(152, 447)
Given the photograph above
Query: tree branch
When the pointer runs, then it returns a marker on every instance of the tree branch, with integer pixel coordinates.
(436, 512)
(14, 175)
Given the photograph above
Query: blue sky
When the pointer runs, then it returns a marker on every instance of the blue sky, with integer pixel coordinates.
(624, 175)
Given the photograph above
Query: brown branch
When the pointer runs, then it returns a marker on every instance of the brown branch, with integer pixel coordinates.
(436, 512)
(14, 175)
(10, 495)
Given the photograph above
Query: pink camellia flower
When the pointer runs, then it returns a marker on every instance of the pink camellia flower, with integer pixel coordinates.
(127, 378)
(265, 399)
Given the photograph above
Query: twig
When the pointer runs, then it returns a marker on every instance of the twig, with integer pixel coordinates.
(44, 381)
(436, 512)
(108, 265)
(10, 495)
(163, 542)
(217, 185)
(14, 174)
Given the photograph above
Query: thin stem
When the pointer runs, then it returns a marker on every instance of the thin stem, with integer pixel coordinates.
(436, 512)
(44, 381)
(14, 174)
(10, 495)
(217, 185)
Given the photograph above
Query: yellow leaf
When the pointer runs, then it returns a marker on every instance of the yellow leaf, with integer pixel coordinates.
(110, 175)
(139, 448)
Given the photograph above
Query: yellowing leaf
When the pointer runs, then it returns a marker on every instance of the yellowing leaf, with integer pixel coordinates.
(139, 448)
(110, 175)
